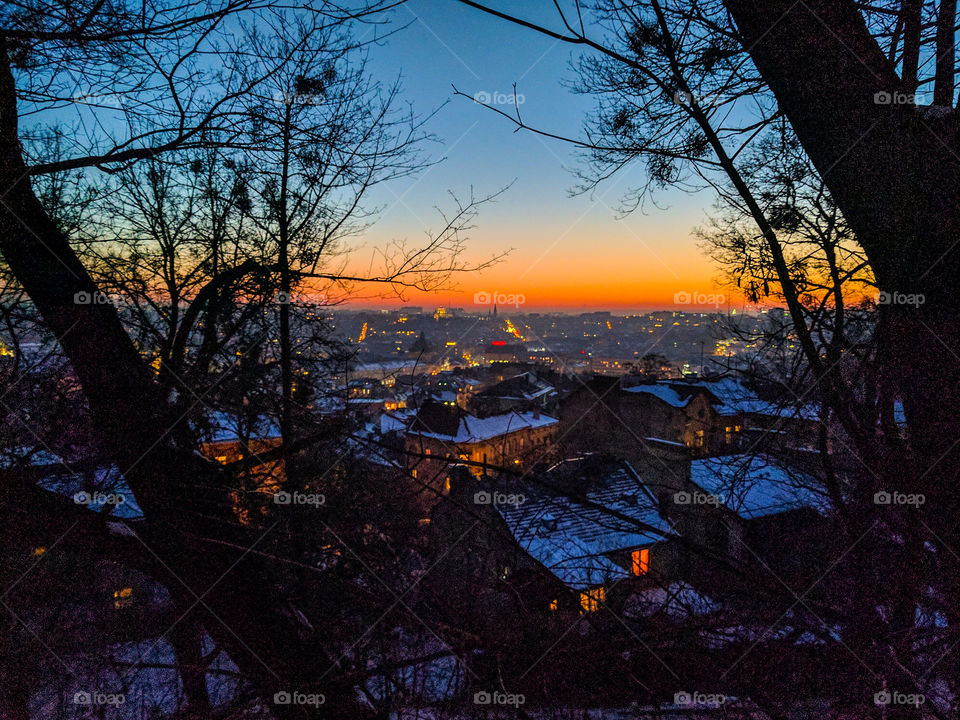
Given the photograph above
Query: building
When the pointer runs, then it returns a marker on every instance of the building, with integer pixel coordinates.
(521, 393)
(606, 534)
(442, 434)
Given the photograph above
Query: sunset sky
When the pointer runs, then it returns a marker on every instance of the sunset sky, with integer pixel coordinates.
(567, 252)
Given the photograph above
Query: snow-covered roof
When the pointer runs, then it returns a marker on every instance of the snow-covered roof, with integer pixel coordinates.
(662, 392)
(446, 396)
(386, 366)
(104, 490)
(394, 422)
(473, 429)
(226, 427)
(754, 485)
(735, 398)
(524, 386)
(29, 456)
(661, 441)
(572, 540)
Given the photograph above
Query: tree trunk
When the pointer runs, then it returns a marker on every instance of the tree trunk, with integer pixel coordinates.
(895, 174)
(894, 171)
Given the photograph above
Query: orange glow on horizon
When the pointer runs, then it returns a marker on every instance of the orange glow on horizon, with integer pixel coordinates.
(574, 274)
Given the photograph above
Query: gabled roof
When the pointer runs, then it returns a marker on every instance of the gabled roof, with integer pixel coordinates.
(666, 393)
(396, 421)
(755, 485)
(435, 418)
(452, 424)
(520, 387)
(735, 398)
(572, 539)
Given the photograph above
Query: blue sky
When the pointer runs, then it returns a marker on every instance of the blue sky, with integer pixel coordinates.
(570, 238)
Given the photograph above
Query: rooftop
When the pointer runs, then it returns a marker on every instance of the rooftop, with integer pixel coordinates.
(572, 539)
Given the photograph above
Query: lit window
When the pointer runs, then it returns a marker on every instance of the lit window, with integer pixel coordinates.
(123, 598)
(446, 485)
(554, 604)
(590, 600)
(641, 561)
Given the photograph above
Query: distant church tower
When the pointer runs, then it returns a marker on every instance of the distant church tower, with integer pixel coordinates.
(494, 309)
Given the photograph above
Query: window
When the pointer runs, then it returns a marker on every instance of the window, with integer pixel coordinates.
(590, 600)
(698, 440)
(554, 604)
(123, 598)
(731, 433)
(641, 561)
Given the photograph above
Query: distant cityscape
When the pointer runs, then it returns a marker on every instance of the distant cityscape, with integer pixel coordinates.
(686, 343)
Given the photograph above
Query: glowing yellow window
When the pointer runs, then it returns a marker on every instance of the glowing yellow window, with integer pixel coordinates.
(123, 598)
(554, 604)
(641, 561)
(590, 600)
